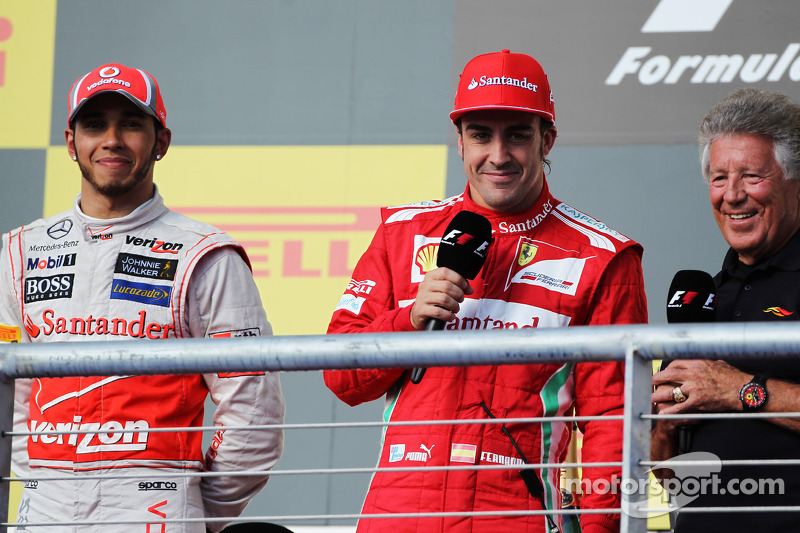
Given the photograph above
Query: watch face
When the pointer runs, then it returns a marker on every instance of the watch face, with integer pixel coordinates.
(753, 395)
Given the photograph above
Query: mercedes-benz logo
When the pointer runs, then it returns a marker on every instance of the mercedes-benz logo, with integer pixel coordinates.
(60, 229)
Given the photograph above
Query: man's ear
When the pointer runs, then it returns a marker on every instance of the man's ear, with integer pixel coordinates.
(548, 140)
(460, 146)
(69, 137)
(163, 141)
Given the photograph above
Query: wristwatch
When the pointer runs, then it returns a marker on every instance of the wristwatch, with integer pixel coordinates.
(754, 394)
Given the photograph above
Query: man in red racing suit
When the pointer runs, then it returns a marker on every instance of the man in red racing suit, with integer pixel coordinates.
(549, 265)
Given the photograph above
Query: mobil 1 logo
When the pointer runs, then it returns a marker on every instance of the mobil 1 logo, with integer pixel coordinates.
(42, 263)
(48, 287)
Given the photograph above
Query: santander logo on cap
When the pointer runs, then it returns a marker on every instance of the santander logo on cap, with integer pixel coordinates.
(504, 80)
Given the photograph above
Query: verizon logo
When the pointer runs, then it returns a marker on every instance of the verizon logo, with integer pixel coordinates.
(111, 436)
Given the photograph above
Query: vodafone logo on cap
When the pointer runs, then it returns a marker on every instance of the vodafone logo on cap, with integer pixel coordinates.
(109, 72)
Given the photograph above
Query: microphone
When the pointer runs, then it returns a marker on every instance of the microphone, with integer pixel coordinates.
(691, 299)
(462, 249)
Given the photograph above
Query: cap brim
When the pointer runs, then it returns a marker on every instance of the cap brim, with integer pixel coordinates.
(458, 113)
(133, 99)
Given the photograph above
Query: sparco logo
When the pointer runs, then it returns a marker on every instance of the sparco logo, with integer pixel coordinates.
(155, 245)
(157, 485)
(650, 67)
(66, 260)
(48, 288)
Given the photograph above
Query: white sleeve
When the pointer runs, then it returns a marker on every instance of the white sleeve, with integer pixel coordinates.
(223, 299)
(10, 316)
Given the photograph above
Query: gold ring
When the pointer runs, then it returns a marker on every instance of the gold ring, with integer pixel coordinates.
(678, 395)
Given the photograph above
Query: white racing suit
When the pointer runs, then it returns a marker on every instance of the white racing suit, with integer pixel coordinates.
(153, 274)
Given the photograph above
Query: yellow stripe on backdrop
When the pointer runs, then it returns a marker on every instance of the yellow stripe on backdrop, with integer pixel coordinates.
(27, 43)
(27, 48)
(305, 214)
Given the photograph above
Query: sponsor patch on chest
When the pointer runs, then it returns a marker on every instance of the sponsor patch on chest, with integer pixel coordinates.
(48, 287)
(542, 265)
(140, 292)
(146, 267)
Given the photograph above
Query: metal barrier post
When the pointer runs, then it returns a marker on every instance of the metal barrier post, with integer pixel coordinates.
(6, 425)
(636, 441)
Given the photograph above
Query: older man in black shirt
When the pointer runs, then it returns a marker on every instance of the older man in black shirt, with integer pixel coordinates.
(750, 146)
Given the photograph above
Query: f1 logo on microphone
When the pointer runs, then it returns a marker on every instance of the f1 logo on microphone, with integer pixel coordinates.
(681, 298)
(462, 238)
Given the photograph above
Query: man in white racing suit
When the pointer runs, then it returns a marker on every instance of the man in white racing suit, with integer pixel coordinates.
(121, 266)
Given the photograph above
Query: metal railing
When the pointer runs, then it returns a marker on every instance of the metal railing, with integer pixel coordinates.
(636, 345)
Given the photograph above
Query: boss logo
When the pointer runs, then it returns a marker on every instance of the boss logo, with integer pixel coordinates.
(49, 287)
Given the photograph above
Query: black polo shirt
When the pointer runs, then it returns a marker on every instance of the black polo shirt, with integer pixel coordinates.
(768, 291)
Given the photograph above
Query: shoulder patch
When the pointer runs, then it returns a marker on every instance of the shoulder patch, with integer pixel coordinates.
(595, 230)
(407, 212)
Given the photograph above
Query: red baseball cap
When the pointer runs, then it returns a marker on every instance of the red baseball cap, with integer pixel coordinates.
(136, 85)
(502, 80)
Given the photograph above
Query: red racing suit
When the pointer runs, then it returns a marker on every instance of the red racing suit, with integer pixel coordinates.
(153, 274)
(549, 266)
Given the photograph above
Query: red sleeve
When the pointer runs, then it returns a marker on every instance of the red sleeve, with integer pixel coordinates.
(599, 387)
(368, 306)
(619, 297)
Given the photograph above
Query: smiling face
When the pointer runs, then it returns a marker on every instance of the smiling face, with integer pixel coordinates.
(115, 144)
(756, 207)
(502, 152)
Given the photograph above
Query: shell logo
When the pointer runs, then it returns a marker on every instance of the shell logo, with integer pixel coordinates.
(426, 257)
